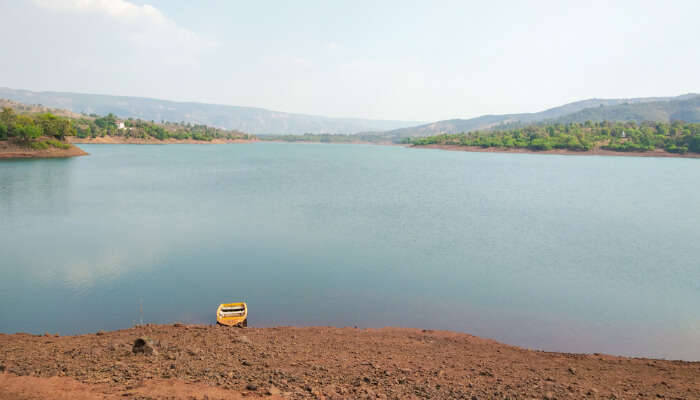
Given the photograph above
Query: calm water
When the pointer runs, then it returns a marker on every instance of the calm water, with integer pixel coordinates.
(584, 254)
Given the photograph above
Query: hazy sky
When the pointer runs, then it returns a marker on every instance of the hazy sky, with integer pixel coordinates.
(406, 60)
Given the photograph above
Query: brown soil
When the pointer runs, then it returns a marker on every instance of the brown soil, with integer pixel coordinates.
(595, 152)
(218, 362)
(130, 140)
(11, 150)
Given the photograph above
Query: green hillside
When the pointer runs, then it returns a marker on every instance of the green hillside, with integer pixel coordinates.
(675, 137)
(661, 109)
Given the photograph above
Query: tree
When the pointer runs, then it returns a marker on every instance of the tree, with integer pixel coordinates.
(8, 116)
(107, 121)
(3, 131)
(52, 125)
(27, 133)
(694, 144)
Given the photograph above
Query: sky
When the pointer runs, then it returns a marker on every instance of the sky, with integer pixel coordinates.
(400, 60)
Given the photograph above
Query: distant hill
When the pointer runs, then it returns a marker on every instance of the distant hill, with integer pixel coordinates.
(663, 109)
(683, 108)
(36, 109)
(246, 119)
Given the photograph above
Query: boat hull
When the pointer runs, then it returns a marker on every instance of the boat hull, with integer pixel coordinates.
(232, 314)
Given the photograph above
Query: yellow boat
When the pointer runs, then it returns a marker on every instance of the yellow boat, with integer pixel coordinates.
(232, 314)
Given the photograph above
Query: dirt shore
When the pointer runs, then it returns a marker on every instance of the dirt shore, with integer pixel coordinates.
(211, 362)
(124, 140)
(10, 150)
(595, 152)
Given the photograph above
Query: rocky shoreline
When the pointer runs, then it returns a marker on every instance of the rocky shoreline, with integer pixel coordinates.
(197, 362)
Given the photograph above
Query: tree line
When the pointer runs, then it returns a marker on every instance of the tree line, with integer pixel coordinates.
(97, 126)
(674, 137)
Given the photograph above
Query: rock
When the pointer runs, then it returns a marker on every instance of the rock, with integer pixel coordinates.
(2, 368)
(251, 386)
(549, 396)
(246, 363)
(99, 333)
(572, 370)
(144, 345)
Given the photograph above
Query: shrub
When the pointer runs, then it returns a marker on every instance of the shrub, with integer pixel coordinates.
(58, 144)
(694, 144)
(676, 149)
(39, 145)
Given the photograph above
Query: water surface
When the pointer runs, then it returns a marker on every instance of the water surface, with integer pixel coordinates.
(569, 253)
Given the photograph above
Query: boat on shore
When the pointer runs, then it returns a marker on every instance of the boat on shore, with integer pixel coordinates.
(232, 314)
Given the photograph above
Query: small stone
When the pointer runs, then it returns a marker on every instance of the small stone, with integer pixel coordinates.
(246, 363)
(242, 339)
(549, 396)
(272, 391)
(572, 370)
(99, 333)
(251, 386)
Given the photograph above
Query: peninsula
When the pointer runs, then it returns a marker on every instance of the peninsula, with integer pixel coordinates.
(35, 131)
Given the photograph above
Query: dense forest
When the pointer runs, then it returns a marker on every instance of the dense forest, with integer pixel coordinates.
(675, 137)
(44, 129)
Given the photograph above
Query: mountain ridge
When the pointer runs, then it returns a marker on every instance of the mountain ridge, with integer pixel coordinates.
(261, 121)
(559, 114)
(252, 120)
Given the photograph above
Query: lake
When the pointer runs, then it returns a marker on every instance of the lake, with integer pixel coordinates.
(562, 253)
